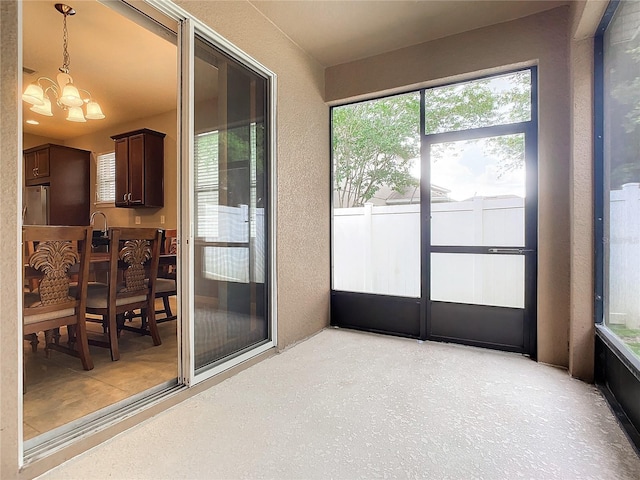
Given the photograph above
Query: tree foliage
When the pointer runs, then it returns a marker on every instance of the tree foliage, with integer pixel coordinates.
(624, 114)
(373, 145)
(376, 142)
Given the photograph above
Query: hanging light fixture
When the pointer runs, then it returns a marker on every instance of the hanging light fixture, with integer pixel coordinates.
(66, 95)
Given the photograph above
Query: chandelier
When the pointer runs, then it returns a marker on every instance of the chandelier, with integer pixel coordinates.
(65, 94)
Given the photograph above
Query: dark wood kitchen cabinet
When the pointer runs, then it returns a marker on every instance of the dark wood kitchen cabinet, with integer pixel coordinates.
(66, 171)
(139, 168)
(36, 166)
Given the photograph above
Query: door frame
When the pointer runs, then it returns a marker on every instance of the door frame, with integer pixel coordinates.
(412, 316)
(530, 131)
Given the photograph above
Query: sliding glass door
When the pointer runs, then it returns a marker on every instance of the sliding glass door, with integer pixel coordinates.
(230, 207)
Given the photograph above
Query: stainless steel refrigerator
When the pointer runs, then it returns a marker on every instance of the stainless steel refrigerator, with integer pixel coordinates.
(35, 210)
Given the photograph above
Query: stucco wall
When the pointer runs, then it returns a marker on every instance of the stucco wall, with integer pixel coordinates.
(540, 39)
(302, 190)
(303, 165)
(10, 280)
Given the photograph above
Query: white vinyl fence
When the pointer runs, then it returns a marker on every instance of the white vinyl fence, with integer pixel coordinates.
(376, 249)
(232, 263)
(624, 256)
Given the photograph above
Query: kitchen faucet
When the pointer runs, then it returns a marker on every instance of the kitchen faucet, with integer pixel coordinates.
(105, 227)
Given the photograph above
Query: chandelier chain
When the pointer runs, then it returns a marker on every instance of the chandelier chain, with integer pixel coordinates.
(66, 59)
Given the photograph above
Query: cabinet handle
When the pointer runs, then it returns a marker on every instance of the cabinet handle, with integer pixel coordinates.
(124, 197)
(129, 197)
(34, 172)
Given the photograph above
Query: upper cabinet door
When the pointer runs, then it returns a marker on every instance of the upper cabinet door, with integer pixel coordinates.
(136, 169)
(37, 167)
(139, 168)
(122, 171)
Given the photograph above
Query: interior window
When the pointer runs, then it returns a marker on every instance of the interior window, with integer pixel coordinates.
(106, 178)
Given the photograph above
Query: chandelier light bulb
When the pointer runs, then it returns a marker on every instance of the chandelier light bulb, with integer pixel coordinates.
(94, 112)
(33, 94)
(75, 115)
(70, 96)
(44, 109)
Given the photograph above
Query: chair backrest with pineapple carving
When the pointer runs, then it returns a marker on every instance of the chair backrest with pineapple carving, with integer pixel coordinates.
(53, 255)
(135, 252)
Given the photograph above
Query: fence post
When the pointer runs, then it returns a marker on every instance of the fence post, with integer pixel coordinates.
(478, 260)
(369, 265)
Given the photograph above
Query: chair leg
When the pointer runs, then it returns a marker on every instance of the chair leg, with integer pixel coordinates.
(83, 345)
(153, 326)
(167, 306)
(71, 336)
(143, 321)
(113, 337)
(48, 340)
(34, 341)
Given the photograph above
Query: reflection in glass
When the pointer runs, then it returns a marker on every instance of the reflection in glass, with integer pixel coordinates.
(622, 174)
(482, 190)
(487, 102)
(478, 279)
(230, 202)
(376, 196)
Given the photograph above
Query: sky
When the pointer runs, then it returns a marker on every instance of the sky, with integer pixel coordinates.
(468, 170)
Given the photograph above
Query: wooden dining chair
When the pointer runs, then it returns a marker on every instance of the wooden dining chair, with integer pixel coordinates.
(131, 285)
(50, 306)
(166, 286)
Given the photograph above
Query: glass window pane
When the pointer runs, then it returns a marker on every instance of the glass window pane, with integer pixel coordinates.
(487, 102)
(478, 279)
(622, 173)
(376, 196)
(230, 201)
(478, 192)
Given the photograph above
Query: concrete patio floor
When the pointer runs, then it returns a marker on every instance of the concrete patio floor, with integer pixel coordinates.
(350, 405)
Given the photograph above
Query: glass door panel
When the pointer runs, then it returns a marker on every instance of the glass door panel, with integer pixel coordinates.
(480, 186)
(230, 207)
(496, 280)
(376, 196)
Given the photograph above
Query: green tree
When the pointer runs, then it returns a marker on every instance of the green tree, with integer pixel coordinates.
(375, 143)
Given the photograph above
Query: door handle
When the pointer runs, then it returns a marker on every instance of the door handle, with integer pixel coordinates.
(513, 251)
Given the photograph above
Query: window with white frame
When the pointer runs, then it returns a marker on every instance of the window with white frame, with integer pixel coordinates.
(106, 178)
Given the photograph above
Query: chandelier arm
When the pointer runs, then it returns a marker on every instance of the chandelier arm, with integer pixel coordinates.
(88, 93)
(47, 78)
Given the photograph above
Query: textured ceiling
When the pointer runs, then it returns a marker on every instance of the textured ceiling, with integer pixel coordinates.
(132, 72)
(335, 32)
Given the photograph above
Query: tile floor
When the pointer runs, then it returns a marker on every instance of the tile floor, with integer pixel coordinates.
(58, 390)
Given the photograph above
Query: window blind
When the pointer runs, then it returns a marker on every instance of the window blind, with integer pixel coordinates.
(206, 191)
(106, 178)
